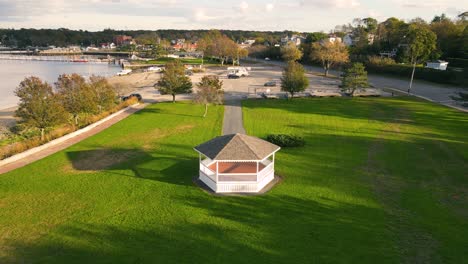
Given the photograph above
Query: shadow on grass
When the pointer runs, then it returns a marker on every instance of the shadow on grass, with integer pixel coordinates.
(273, 229)
(143, 165)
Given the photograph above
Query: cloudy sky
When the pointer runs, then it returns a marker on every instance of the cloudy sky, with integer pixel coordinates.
(300, 15)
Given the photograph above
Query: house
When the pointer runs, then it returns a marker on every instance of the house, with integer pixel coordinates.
(236, 163)
(348, 40)
(332, 38)
(296, 39)
(123, 40)
(437, 65)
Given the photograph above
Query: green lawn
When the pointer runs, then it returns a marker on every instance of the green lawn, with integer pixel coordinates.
(379, 181)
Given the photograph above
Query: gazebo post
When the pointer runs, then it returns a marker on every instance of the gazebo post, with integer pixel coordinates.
(217, 172)
(256, 175)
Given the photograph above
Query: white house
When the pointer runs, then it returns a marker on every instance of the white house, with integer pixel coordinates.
(437, 65)
(348, 40)
(236, 163)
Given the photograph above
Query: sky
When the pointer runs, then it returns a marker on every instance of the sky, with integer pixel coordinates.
(276, 15)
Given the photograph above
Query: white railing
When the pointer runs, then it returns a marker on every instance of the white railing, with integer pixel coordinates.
(263, 173)
(238, 177)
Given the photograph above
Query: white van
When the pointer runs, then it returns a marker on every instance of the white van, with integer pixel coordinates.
(237, 72)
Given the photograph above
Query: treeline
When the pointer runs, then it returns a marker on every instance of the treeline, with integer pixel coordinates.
(23, 38)
(46, 112)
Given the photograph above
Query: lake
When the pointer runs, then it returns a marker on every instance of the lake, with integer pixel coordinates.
(12, 72)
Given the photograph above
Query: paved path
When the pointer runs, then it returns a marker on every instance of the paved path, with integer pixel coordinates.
(63, 145)
(233, 121)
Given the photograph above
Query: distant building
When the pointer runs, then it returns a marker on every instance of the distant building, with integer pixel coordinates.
(122, 40)
(437, 65)
(296, 39)
(332, 38)
(108, 46)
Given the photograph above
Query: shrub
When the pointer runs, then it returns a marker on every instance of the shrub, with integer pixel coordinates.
(284, 140)
(379, 61)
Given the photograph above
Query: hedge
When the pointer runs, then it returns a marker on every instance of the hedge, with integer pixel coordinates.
(432, 75)
(283, 140)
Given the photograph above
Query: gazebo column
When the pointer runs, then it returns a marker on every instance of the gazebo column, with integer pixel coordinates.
(217, 178)
(256, 175)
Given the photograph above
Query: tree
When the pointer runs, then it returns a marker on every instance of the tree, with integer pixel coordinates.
(210, 91)
(290, 52)
(103, 93)
(294, 79)
(39, 107)
(421, 43)
(329, 54)
(75, 95)
(174, 81)
(354, 77)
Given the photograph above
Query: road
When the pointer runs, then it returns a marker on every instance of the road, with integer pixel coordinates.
(439, 93)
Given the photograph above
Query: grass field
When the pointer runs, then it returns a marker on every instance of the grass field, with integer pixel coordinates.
(379, 181)
(382, 179)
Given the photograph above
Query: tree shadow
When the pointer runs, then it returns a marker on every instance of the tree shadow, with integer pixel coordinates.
(270, 229)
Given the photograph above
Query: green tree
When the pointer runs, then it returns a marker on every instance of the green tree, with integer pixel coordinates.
(354, 77)
(290, 52)
(39, 107)
(210, 91)
(294, 79)
(329, 54)
(75, 95)
(174, 81)
(104, 94)
(421, 44)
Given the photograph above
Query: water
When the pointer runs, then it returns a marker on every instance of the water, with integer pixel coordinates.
(12, 72)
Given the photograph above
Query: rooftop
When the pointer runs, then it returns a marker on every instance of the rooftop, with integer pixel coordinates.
(237, 147)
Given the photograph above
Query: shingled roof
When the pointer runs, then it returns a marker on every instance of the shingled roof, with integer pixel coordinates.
(237, 147)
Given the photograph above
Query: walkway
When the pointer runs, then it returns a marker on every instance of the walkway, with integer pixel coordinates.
(233, 122)
(63, 145)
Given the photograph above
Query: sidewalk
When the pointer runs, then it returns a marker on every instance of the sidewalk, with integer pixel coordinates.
(67, 143)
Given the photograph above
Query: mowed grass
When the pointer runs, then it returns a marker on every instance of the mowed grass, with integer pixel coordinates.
(380, 180)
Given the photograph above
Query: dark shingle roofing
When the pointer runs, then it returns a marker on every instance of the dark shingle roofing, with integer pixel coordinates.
(237, 147)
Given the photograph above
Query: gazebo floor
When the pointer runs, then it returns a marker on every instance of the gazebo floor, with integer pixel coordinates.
(237, 167)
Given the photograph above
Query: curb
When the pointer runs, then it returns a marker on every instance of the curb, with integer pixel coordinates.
(430, 100)
(59, 140)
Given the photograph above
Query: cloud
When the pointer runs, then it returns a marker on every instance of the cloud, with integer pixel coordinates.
(330, 3)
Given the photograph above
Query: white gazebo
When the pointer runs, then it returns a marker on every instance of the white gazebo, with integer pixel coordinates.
(237, 163)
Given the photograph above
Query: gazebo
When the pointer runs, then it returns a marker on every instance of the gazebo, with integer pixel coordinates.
(237, 163)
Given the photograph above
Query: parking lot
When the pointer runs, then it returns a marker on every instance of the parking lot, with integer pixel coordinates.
(244, 87)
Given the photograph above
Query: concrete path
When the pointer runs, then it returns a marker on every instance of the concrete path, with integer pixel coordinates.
(233, 122)
(63, 145)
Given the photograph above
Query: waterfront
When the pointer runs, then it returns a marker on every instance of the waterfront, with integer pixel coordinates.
(12, 72)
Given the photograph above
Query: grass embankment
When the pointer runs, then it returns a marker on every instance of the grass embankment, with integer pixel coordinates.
(380, 180)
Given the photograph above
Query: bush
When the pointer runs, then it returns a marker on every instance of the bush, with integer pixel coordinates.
(283, 140)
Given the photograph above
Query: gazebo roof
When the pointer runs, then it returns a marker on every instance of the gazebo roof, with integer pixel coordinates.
(237, 147)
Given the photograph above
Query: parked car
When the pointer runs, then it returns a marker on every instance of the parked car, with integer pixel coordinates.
(188, 73)
(124, 72)
(154, 69)
(270, 84)
(267, 59)
(134, 95)
(237, 72)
